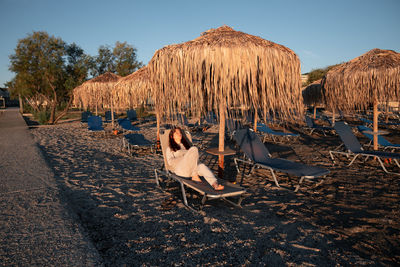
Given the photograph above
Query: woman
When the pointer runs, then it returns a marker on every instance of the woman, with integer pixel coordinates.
(183, 160)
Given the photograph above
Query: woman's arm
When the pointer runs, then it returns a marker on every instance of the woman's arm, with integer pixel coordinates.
(173, 158)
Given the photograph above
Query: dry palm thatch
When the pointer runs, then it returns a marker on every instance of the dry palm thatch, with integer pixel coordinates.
(372, 76)
(132, 90)
(96, 91)
(226, 66)
(368, 79)
(312, 94)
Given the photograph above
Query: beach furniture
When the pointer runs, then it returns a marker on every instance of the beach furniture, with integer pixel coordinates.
(369, 123)
(85, 115)
(257, 156)
(210, 119)
(137, 141)
(312, 126)
(183, 121)
(353, 148)
(232, 126)
(126, 125)
(95, 124)
(268, 132)
(131, 114)
(107, 116)
(230, 191)
(382, 142)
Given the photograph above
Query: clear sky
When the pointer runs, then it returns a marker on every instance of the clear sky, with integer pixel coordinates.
(320, 32)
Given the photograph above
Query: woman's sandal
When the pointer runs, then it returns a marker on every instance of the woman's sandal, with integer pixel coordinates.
(218, 187)
(197, 181)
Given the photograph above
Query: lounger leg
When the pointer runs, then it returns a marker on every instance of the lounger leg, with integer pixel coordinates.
(331, 155)
(157, 181)
(298, 185)
(397, 162)
(204, 199)
(184, 194)
(274, 176)
(384, 168)
(238, 204)
(353, 160)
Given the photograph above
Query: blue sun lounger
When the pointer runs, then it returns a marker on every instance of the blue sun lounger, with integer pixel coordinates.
(354, 148)
(95, 124)
(268, 132)
(258, 156)
(312, 126)
(126, 125)
(382, 142)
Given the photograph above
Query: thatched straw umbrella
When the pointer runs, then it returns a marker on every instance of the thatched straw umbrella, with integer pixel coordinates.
(224, 68)
(313, 96)
(133, 90)
(368, 79)
(97, 91)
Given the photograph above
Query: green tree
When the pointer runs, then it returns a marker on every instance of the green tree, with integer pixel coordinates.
(125, 59)
(46, 68)
(121, 59)
(317, 74)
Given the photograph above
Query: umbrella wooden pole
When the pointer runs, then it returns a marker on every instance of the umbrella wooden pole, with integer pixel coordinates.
(221, 143)
(255, 121)
(375, 124)
(333, 116)
(315, 112)
(158, 129)
(112, 113)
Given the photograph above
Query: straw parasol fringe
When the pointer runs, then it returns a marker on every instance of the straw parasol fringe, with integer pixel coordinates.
(97, 91)
(224, 68)
(227, 65)
(133, 90)
(373, 75)
(368, 79)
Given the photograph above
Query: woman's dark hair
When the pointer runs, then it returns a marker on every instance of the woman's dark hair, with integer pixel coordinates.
(172, 144)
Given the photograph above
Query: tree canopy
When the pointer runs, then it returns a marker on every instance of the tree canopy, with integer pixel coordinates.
(121, 60)
(48, 69)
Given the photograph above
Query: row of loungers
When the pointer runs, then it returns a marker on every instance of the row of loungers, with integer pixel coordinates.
(256, 155)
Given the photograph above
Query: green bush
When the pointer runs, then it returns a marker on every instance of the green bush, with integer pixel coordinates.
(42, 116)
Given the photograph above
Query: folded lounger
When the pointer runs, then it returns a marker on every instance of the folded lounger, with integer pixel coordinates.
(258, 156)
(230, 190)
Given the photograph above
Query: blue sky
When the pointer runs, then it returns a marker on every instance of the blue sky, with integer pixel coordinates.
(321, 33)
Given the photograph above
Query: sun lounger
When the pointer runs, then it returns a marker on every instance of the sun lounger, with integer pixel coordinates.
(95, 124)
(137, 141)
(204, 189)
(107, 116)
(258, 156)
(268, 132)
(354, 148)
(382, 142)
(131, 114)
(312, 126)
(126, 125)
(85, 115)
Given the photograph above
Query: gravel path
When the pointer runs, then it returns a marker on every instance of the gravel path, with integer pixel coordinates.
(36, 226)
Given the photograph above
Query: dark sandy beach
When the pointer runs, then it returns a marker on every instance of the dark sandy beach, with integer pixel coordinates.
(352, 219)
